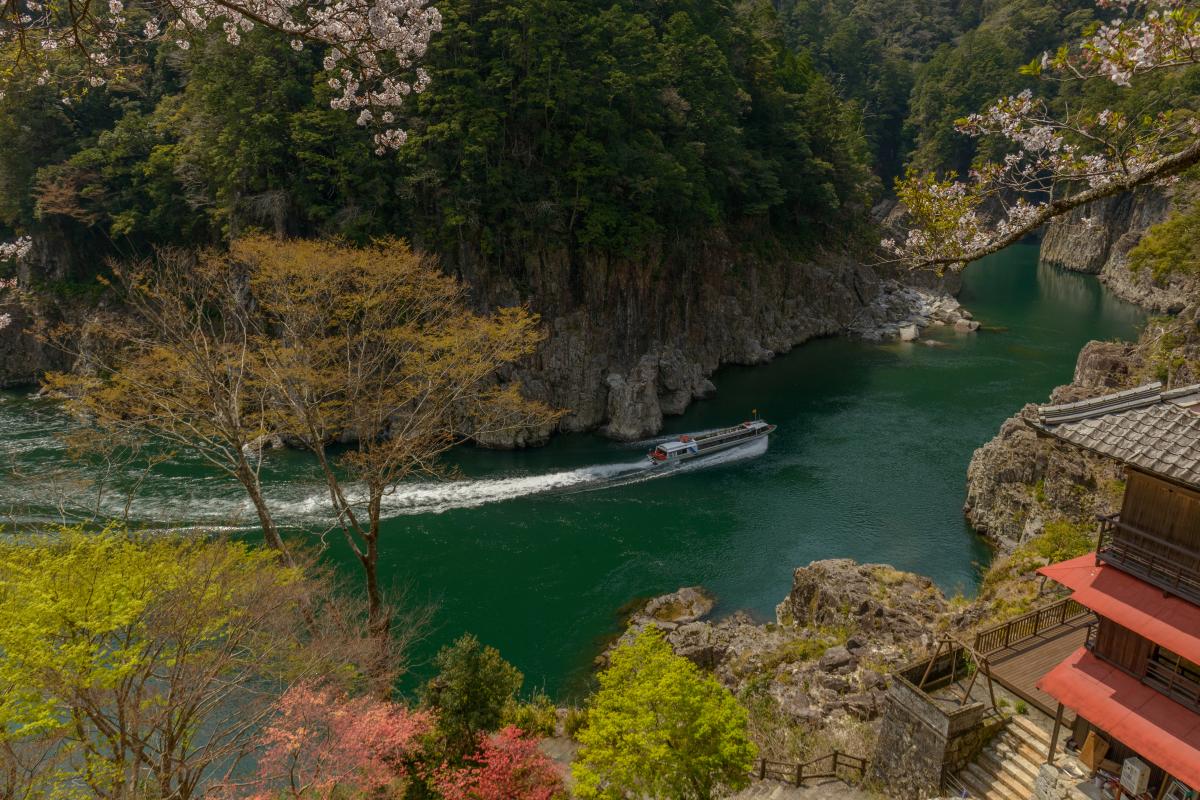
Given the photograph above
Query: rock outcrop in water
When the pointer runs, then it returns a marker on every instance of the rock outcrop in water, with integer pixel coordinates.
(821, 665)
(1096, 239)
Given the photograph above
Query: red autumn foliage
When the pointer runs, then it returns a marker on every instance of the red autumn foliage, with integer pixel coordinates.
(508, 766)
(323, 742)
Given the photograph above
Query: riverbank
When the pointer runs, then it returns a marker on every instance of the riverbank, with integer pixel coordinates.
(535, 550)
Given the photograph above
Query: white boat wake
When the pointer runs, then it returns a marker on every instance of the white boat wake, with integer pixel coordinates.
(210, 502)
(437, 498)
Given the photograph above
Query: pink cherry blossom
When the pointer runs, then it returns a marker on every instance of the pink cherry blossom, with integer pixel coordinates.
(1057, 163)
(324, 744)
(372, 47)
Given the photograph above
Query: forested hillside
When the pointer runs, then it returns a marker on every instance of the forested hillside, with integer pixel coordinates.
(673, 186)
(548, 124)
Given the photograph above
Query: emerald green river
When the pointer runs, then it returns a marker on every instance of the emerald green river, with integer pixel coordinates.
(535, 551)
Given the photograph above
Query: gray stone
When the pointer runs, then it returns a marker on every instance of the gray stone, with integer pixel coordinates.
(835, 658)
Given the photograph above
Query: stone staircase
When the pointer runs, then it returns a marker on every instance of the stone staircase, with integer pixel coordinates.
(1008, 766)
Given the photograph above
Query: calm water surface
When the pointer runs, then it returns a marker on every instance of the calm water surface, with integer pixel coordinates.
(535, 551)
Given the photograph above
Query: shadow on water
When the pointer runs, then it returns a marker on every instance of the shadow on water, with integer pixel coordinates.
(535, 551)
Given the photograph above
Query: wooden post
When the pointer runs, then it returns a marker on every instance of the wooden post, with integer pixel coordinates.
(1054, 736)
(762, 768)
(799, 775)
(991, 687)
(937, 652)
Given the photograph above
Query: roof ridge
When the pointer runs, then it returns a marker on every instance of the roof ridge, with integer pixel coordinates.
(1138, 397)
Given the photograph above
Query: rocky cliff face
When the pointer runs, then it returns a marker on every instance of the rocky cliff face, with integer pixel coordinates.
(1097, 238)
(631, 342)
(816, 677)
(1018, 481)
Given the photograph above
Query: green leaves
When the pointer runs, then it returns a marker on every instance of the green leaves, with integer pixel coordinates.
(124, 657)
(659, 727)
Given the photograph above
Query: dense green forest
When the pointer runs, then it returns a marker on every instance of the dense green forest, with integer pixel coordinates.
(550, 124)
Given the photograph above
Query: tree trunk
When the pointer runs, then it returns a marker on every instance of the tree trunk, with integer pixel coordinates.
(379, 619)
(270, 531)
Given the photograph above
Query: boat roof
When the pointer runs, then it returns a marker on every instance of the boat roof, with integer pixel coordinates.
(671, 447)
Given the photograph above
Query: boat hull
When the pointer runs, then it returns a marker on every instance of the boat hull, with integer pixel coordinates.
(715, 447)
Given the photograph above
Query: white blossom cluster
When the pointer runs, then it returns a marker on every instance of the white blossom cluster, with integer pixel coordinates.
(1050, 158)
(11, 251)
(1148, 35)
(372, 46)
(10, 283)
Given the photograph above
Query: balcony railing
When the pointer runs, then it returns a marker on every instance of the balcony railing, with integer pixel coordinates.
(1165, 564)
(1027, 626)
(1173, 683)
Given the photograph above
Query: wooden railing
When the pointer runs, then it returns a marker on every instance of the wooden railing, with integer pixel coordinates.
(1027, 626)
(1173, 684)
(831, 765)
(1165, 564)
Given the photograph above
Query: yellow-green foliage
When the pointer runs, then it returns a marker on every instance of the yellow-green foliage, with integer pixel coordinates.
(1062, 540)
(107, 640)
(659, 727)
(1170, 247)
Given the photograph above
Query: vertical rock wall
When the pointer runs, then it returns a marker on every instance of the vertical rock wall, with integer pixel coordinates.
(1097, 238)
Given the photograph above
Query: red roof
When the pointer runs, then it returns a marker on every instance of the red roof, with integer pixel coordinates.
(1160, 730)
(1166, 620)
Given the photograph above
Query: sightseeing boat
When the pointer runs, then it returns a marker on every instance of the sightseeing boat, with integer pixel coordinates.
(700, 444)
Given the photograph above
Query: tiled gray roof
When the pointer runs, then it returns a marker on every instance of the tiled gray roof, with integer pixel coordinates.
(1147, 428)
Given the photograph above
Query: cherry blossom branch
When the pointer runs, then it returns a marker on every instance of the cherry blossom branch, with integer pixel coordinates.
(1056, 163)
(372, 47)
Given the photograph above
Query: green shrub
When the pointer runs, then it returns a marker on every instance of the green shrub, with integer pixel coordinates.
(1062, 540)
(470, 693)
(1170, 247)
(575, 719)
(538, 717)
(1021, 707)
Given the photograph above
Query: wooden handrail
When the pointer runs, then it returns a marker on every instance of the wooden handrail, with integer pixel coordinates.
(1150, 557)
(796, 774)
(1027, 626)
(1114, 520)
(1173, 684)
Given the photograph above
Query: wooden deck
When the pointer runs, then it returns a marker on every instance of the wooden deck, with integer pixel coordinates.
(1019, 667)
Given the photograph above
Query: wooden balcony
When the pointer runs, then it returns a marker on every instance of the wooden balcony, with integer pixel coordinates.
(1167, 565)
(1173, 683)
(1023, 649)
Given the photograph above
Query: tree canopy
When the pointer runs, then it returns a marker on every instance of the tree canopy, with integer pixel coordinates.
(659, 727)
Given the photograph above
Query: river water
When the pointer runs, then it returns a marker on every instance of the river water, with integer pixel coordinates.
(536, 551)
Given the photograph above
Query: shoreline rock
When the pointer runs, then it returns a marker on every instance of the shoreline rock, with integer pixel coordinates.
(1096, 239)
(821, 664)
(1018, 481)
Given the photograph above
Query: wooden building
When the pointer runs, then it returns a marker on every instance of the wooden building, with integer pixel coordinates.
(1135, 682)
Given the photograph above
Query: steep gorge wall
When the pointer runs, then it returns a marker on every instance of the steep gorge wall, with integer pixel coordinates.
(1097, 238)
(629, 340)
